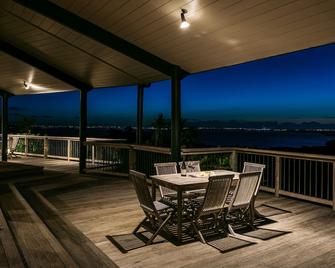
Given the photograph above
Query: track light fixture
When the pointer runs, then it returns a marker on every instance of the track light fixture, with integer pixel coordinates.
(183, 24)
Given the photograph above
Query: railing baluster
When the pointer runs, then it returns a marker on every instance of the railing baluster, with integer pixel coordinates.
(310, 178)
(93, 154)
(68, 149)
(333, 186)
(45, 147)
(26, 145)
(316, 178)
(277, 178)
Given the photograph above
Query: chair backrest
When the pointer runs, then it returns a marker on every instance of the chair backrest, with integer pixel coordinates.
(253, 167)
(245, 190)
(216, 194)
(191, 166)
(164, 169)
(143, 194)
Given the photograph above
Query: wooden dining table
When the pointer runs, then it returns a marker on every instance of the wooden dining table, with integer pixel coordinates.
(181, 184)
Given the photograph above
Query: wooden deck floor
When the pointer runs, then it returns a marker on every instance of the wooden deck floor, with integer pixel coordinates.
(111, 208)
(48, 164)
(99, 207)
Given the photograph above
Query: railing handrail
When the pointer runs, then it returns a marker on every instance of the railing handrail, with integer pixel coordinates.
(286, 154)
(269, 152)
(109, 144)
(195, 151)
(154, 149)
(60, 137)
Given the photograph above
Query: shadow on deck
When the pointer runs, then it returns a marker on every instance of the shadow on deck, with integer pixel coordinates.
(88, 208)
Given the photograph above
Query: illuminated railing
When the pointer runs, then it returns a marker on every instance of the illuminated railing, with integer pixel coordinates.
(108, 158)
(51, 146)
(309, 177)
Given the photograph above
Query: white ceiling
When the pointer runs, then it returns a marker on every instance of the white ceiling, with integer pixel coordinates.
(222, 33)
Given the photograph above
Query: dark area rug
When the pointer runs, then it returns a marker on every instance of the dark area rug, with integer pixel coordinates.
(229, 243)
(128, 242)
(268, 211)
(263, 234)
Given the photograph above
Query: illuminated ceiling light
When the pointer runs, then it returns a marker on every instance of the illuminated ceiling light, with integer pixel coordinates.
(26, 85)
(184, 24)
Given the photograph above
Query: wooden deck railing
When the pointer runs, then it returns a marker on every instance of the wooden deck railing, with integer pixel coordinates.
(309, 177)
(52, 146)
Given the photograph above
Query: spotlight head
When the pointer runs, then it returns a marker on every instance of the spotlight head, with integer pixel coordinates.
(26, 85)
(184, 24)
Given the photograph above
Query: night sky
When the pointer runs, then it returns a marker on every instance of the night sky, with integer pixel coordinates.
(295, 87)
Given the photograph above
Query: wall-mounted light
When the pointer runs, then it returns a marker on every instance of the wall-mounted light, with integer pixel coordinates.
(26, 85)
(183, 24)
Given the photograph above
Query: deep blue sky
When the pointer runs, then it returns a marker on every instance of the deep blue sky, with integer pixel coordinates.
(295, 87)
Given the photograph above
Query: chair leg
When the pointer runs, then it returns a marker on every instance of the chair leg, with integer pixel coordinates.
(139, 225)
(158, 230)
(201, 237)
(252, 217)
(231, 230)
(252, 209)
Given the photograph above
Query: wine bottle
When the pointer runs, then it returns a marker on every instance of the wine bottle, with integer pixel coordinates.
(183, 169)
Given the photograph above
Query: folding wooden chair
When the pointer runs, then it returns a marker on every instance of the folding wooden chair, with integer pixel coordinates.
(157, 213)
(240, 205)
(213, 203)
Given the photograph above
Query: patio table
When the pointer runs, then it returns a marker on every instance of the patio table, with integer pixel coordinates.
(180, 184)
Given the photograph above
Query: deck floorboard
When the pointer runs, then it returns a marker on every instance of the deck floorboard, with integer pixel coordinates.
(110, 207)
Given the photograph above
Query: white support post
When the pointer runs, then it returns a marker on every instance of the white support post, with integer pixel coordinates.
(277, 176)
(25, 145)
(45, 147)
(132, 158)
(93, 154)
(333, 186)
(68, 149)
(233, 160)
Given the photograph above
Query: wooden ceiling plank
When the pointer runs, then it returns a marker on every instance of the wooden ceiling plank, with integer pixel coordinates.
(230, 18)
(29, 59)
(19, 71)
(269, 32)
(260, 46)
(160, 28)
(43, 41)
(138, 15)
(98, 34)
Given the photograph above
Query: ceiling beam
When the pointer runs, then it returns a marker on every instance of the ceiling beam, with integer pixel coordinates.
(5, 92)
(43, 66)
(87, 28)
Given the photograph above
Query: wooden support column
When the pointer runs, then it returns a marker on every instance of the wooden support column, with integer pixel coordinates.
(176, 115)
(233, 160)
(82, 131)
(45, 147)
(4, 127)
(139, 121)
